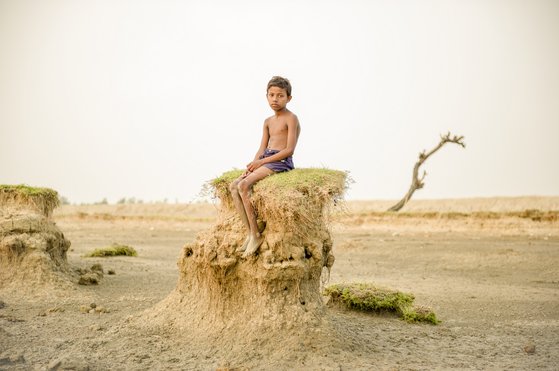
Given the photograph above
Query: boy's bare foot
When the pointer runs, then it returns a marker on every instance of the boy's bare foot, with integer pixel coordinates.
(245, 244)
(253, 245)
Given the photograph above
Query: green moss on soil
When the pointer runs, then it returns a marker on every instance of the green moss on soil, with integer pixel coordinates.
(44, 199)
(295, 199)
(113, 250)
(327, 180)
(367, 297)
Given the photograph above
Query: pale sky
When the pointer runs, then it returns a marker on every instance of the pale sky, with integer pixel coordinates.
(150, 99)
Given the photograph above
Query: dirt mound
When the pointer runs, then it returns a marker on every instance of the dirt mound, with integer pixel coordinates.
(32, 248)
(275, 290)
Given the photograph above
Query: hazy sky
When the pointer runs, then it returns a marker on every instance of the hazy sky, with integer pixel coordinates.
(150, 99)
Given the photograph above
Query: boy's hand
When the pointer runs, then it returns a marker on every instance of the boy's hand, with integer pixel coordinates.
(254, 165)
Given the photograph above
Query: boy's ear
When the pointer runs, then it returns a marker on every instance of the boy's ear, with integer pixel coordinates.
(289, 99)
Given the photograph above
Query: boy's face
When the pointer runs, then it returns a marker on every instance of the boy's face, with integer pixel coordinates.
(277, 98)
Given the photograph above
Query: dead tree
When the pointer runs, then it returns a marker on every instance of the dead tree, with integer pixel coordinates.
(417, 183)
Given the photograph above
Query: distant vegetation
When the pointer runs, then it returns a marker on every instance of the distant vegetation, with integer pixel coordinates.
(63, 200)
(122, 201)
(102, 202)
(130, 200)
(134, 200)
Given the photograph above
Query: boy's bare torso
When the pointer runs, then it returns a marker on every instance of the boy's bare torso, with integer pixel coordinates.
(278, 129)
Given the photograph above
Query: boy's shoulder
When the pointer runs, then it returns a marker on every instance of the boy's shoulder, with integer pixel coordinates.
(287, 115)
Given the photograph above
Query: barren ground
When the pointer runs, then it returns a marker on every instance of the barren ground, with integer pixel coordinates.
(490, 273)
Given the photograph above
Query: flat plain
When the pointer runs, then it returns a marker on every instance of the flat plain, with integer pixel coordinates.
(488, 268)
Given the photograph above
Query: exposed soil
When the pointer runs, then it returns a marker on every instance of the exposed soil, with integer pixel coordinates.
(493, 281)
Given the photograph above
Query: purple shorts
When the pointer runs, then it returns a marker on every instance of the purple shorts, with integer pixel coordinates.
(283, 165)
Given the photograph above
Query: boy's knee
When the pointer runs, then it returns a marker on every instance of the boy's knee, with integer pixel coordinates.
(243, 187)
(235, 187)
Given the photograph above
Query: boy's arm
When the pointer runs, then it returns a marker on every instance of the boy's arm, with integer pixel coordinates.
(292, 131)
(264, 141)
(263, 144)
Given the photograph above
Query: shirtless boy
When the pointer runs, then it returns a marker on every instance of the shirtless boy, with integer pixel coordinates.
(279, 138)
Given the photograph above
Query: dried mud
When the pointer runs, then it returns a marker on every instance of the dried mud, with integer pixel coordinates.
(494, 283)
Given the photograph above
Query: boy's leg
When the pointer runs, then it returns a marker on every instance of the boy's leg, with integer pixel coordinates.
(238, 202)
(245, 186)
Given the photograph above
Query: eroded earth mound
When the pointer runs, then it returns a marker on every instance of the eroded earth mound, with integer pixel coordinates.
(276, 289)
(32, 248)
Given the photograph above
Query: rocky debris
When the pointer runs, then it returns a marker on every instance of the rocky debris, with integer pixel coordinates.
(93, 308)
(81, 271)
(54, 364)
(68, 363)
(3, 333)
(111, 272)
(91, 275)
(530, 348)
(97, 268)
(2, 304)
(227, 367)
(57, 309)
(11, 360)
(11, 318)
(89, 279)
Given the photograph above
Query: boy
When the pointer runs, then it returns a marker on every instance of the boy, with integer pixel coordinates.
(279, 139)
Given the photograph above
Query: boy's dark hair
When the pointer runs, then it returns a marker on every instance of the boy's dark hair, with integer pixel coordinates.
(280, 82)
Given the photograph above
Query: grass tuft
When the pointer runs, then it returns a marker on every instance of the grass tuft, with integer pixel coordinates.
(419, 314)
(367, 297)
(43, 199)
(113, 250)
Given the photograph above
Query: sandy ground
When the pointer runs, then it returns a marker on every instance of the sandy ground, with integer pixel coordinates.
(490, 274)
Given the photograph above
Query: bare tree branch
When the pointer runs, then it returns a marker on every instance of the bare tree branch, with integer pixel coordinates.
(417, 183)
